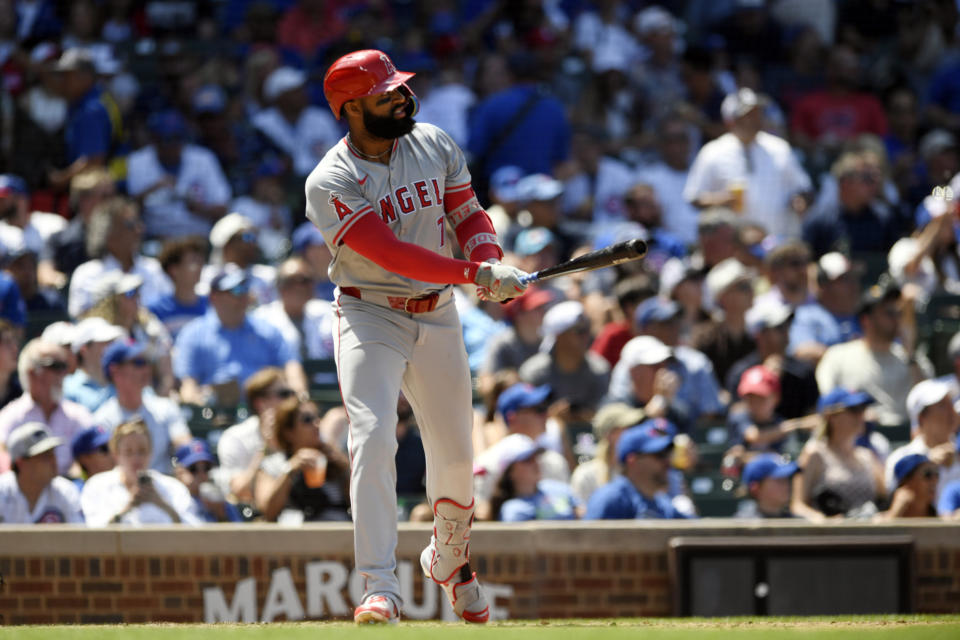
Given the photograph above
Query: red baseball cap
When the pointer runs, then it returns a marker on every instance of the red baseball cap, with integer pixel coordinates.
(758, 380)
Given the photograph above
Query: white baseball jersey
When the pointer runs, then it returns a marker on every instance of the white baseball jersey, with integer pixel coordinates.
(58, 503)
(407, 194)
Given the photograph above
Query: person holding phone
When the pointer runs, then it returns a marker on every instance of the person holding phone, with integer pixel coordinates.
(131, 493)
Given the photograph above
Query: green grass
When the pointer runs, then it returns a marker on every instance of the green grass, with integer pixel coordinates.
(895, 627)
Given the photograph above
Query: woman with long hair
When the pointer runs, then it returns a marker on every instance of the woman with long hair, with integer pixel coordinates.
(307, 475)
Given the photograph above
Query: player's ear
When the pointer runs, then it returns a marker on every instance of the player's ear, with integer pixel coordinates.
(352, 107)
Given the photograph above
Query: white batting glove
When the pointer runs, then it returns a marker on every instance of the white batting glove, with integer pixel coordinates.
(499, 282)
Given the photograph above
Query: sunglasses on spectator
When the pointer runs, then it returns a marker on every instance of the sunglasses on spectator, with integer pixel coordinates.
(104, 449)
(137, 362)
(200, 466)
(931, 474)
(132, 293)
(53, 364)
(246, 236)
(298, 280)
(239, 290)
(865, 176)
(283, 393)
(309, 418)
(537, 408)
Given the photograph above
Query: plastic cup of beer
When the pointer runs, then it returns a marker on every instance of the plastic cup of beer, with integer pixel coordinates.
(314, 476)
(738, 190)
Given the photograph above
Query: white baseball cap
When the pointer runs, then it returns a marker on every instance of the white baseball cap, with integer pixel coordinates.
(767, 314)
(31, 439)
(227, 227)
(561, 317)
(59, 333)
(514, 448)
(538, 186)
(281, 80)
(738, 104)
(834, 264)
(94, 329)
(644, 350)
(724, 274)
(925, 394)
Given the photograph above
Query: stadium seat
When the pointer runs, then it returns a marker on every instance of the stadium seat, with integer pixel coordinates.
(713, 494)
(322, 378)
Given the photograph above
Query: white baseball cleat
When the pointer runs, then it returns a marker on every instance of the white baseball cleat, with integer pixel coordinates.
(376, 610)
(464, 592)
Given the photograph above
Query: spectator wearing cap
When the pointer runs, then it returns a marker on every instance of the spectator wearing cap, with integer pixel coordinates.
(91, 451)
(608, 424)
(92, 136)
(577, 376)
(67, 249)
(699, 390)
(291, 125)
(523, 408)
(32, 492)
(41, 368)
(10, 388)
(643, 451)
(927, 261)
(876, 362)
(87, 385)
(725, 339)
(180, 186)
(540, 196)
(832, 318)
(182, 259)
(749, 170)
(769, 321)
(224, 347)
(308, 243)
(126, 366)
(192, 465)
(132, 493)
(787, 266)
(504, 199)
(521, 494)
(234, 241)
(643, 378)
(35, 227)
(857, 221)
(307, 324)
(824, 118)
(839, 476)
(243, 446)
(934, 424)
(520, 341)
(113, 239)
(234, 142)
(755, 424)
(939, 160)
(668, 176)
(629, 293)
(644, 219)
(915, 479)
(767, 479)
(535, 248)
(266, 208)
(538, 142)
(20, 263)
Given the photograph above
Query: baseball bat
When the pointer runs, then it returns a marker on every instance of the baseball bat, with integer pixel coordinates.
(607, 257)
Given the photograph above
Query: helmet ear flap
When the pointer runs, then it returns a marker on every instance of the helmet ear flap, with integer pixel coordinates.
(412, 97)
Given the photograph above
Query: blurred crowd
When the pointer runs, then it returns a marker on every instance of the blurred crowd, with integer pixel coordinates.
(789, 347)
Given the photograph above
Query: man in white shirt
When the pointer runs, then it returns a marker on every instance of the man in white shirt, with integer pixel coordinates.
(181, 186)
(934, 421)
(751, 171)
(299, 130)
(234, 240)
(32, 492)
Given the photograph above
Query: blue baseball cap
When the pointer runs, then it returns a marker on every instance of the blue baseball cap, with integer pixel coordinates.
(305, 236)
(520, 396)
(840, 399)
(193, 452)
(656, 309)
(650, 436)
(167, 125)
(767, 465)
(907, 465)
(89, 440)
(11, 184)
(532, 241)
(120, 351)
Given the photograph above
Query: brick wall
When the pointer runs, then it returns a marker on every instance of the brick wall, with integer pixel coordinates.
(541, 570)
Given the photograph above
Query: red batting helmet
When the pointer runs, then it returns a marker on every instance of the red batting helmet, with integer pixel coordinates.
(359, 74)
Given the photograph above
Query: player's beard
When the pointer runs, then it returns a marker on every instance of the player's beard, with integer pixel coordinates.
(388, 127)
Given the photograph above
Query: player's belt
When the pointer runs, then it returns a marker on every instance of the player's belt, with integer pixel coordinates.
(423, 304)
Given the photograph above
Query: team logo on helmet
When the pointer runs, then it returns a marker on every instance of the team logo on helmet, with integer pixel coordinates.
(388, 64)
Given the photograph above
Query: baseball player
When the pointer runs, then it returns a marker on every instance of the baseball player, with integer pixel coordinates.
(383, 198)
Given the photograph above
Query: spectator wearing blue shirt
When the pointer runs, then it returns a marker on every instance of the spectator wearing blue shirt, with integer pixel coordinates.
(832, 318)
(521, 494)
(308, 243)
(192, 464)
(91, 450)
(88, 385)
(948, 506)
(182, 259)
(93, 126)
(12, 307)
(641, 492)
(225, 346)
(767, 480)
(520, 125)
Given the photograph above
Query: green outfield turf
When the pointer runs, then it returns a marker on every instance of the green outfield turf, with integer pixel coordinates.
(840, 628)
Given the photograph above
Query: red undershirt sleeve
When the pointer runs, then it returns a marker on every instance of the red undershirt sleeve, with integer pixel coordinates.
(472, 226)
(372, 238)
